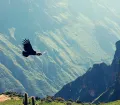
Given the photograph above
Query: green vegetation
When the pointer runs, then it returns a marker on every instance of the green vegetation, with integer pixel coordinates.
(33, 100)
(49, 100)
(112, 103)
(12, 102)
(13, 94)
(25, 100)
(19, 102)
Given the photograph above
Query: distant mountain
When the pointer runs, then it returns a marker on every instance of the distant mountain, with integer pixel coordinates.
(99, 81)
(76, 34)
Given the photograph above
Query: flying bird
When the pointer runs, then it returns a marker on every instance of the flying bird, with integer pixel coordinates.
(28, 50)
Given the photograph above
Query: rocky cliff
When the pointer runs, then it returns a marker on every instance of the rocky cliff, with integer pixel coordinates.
(98, 80)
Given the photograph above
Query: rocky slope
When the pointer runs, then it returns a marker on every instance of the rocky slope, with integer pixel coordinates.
(73, 32)
(112, 92)
(98, 80)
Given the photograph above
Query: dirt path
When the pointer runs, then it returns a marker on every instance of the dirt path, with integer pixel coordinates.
(4, 98)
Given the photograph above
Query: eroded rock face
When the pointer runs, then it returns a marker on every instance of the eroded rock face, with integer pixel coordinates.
(96, 81)
(74, 40)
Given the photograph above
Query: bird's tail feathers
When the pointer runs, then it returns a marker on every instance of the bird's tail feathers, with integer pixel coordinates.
(25, 54)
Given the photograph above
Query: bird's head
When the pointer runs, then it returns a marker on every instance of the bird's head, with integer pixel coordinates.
(38, 54)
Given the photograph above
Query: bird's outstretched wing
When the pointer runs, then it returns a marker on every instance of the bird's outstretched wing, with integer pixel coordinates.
(27, 46)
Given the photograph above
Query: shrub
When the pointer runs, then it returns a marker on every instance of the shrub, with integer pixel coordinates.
(70, 100)
(78, 101)
(59, 99)
(68, 103)
(49, 100)
(42, 100)
(37, 98)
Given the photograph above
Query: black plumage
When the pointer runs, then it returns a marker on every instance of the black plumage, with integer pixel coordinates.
(28, 50)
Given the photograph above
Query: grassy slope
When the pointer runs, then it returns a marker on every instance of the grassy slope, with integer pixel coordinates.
(112, 103)
(12, 102)
(19, 102)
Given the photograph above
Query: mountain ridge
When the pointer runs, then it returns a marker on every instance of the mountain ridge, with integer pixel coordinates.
(97, 81)
(72, 39)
